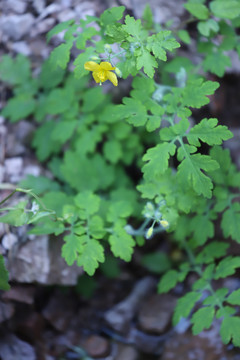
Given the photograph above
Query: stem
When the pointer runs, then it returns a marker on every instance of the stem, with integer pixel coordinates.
(8, 197)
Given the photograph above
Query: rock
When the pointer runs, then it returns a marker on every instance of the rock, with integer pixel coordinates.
(6, 311)
(97, 346)
(84, 8)
(16, 26)
(12, 348)
(2, 173)
(60, 310)
(39, 5)
(156, 313)
(40, 260)
(32, 169)
(21, 47)
(14, 168)
(126, 352)
(23, 294)
(66, 15)
(18, 6)
(121, 314)
(9, 240)
(42, 27)
(49, 10)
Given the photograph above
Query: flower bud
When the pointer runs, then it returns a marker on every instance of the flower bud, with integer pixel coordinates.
(108, 48)
(118, 72)
(149, 233)
(164, 223)
(94, 57)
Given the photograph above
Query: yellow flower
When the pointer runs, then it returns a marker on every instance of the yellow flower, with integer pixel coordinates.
(164, 223)
(102, 72)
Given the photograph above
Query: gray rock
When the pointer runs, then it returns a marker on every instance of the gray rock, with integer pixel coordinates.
(126, 352)
(40, 260)
(12, 348)
(66, 15)
(14, 168)
(49, 10)
(39, 5)
(21, 47)
(18, 6)
(16, 26)
(42, 27)
(2, 173)
(9, 240)
(6, 311)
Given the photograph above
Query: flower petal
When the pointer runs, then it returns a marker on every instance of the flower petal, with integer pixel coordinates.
(112, 77)
(91, 66)
(96, 77)
(106, 66)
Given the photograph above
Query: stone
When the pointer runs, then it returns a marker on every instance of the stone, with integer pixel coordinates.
(2, 173)
(42, 27)
(49, 10)
(39, 5)
(66, 15)
(9, 240)
(126, 352)
(14, 168)
(21, 47)
(16, 26)
(12, 348)
(19, 293)
(97, 346)
(18, 6)
(40, 260)
(156, 313)
(6, 311)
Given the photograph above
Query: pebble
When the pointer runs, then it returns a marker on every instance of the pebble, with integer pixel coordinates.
(97, 346)
(12, 348)
(156, 313)
(9, 240)
(42, 27)
(21, 47)
(39, 5)
(21, 294)
(16, 26)
(17, 6)
(2, 173)
(6, 311)
(14, 167)
(66, 15)
(126, 352)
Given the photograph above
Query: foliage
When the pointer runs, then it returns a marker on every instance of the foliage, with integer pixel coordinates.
(89, 142)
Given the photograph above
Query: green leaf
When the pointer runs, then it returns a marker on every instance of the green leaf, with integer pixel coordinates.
(60, 56)
(80, 60)
(39, 184)
(185, 305)
(147, 17)
(225, 9)
(96, 227)
(64, 130)
(147, 61)
(205, 27)
(133, 27)
(85, 35)
(209, 132)
(121, 242)
(91, 256)
(168, 281)
(56, 200)
(216, 62)
(112, 151)
(112, 15)
(88, 202)
(59, 101)
(48, 146)
(184, 36)
(234, 298)
(161, 42)
(212, 251)
(171, 133)
(15, 71)
(202, 319)
(227, 267)
(59, 28)
(156, 262)
(190, 170)
(19, 107)
(196, 91)
(73, 245)
(200, 11)
(230, 330)
(119, 209)
(16, 217)
(157, 159)
(50, 76)
(3, 275)
(231, 222)
(202, 228)
(132, 110)
(219, 296)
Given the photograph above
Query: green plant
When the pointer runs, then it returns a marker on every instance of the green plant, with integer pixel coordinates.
(90, 142)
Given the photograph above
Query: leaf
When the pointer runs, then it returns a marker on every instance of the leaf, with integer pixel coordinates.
(231, 222)
(112, 15)
(212, 251)
(225, 9)
(133, 27)
(218, 297)
(198, 10)
(157, 159)
(202, 228)
(50, 76)
(147, 17)
(15, 71)
(205, 27)
(59, 28)
(161, 42)
(202, 319)
(96, 227)
(19, 107)
(16, 217)
(112, 151)
(132, 110)
(73, 245)
(234, 298)
(80, 60)
(209, 132)
(168, 281)
(196, 91)
(147, 61)
(185, 305)
(216, 62)
(184, 36)
(227, 267)
(48, 146)
(171, 133)
(85, 35)
(92, 255)
(121, 242)
(59, 101)
(119, 209)
(156, 262)
(39, 184)
(190, 170)
(64, 130)
(230, 330)
(60, 56)
(3, 275)
(88, 202)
